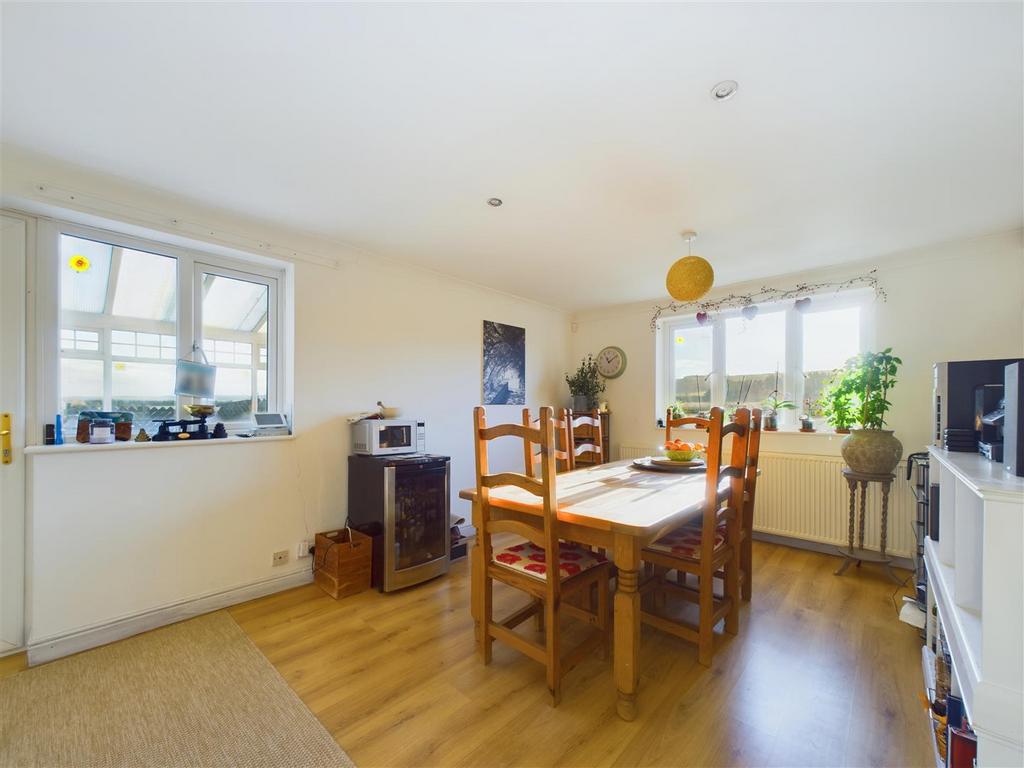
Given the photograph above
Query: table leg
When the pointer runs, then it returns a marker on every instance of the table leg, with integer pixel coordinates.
(627, 624)
(847, 559)
(863, 513)
(885, 513)
(853, 505)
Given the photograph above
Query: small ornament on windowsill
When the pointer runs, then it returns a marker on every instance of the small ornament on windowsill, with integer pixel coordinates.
(143, 436)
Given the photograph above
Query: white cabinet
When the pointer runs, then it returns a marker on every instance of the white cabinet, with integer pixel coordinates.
(976, 576)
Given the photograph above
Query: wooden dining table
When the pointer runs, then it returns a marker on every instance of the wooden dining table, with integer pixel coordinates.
(621, 509)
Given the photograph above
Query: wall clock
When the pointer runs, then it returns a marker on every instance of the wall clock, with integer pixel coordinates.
(611, 362)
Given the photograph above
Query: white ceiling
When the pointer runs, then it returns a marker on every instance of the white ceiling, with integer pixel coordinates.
(858, 129)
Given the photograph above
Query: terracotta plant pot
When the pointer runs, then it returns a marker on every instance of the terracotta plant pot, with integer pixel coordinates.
(872, 451)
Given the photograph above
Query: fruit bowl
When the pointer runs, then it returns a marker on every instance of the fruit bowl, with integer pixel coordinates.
(682, 455)
(677, 450)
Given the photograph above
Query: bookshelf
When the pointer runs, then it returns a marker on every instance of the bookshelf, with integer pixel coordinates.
(976, 587)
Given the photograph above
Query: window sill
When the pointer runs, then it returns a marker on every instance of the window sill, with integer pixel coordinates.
(129, 445)
(783, 431)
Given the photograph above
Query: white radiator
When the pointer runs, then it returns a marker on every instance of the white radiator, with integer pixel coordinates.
(806, 497)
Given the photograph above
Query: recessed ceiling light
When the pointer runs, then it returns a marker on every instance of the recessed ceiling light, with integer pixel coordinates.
(494, 202)
(724, 90)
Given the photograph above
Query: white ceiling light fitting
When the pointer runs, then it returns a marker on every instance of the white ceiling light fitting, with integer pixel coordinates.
(494, 202)
(724, 90)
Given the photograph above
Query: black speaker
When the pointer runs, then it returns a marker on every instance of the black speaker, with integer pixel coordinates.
(1013, 422)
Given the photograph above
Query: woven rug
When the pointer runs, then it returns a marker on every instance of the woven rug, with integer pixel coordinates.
(197, 693)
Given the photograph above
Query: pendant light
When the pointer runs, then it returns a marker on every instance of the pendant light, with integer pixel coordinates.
(691, 277)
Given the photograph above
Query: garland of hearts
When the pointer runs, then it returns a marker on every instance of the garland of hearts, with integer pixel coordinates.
(747, 302)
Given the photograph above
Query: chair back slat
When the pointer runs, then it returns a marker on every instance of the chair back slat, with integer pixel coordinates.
(564, 459)
(534, 486)
(545, 533)
(529, 532)
(511, 430)
(670, 423)
(592, 440)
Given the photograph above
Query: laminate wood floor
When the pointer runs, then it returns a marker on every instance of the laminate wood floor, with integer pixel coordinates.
(821, 674)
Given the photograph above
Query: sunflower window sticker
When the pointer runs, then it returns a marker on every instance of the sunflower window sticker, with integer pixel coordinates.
(79, 263)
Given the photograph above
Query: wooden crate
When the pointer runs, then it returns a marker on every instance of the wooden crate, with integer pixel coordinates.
(341, 562)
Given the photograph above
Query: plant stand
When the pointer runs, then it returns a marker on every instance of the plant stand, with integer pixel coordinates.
(860, 555)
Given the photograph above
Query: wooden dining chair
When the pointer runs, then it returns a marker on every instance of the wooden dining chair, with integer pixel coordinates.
(670, 423)
(709, 546)
(749, 495)
(591, 436)
(565, 459)
(529, 566)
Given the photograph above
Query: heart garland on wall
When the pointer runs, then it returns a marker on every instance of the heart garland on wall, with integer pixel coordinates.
(747, 302)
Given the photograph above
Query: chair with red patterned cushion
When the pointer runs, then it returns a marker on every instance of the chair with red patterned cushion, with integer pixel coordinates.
(564, 458)
(708, 546)
(528, 566)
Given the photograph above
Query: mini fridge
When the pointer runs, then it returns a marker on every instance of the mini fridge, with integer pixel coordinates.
(402, 502)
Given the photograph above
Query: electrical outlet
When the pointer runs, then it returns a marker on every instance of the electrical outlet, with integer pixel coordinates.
(280, 557)
(302, 548)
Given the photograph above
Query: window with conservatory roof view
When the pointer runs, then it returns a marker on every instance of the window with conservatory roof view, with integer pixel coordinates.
(235, 315)
(118, 330)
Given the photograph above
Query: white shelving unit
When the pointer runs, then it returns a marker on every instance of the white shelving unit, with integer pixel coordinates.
(976, 581)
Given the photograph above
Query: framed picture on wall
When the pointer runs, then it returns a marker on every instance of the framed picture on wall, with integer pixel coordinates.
(504, 377)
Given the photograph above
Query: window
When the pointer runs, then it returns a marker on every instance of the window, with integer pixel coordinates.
(121, 327)
(831, 337)
(735, 360)
(755, 350)
(691, 367)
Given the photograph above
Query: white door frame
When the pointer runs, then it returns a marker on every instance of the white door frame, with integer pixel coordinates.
(14, 243)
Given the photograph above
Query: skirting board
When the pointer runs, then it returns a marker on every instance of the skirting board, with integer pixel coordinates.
(818, 546)
(52, 648)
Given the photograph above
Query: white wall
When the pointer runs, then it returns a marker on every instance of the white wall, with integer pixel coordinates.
(117, 533)
(959, 300)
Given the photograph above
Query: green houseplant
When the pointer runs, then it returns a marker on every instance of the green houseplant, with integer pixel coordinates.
(773, 404)
(585, 385)
(872, 449)
(837, 402)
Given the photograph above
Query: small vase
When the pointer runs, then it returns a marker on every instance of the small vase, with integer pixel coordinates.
(872, 451)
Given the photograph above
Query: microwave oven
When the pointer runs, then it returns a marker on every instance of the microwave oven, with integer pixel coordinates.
(384, 437)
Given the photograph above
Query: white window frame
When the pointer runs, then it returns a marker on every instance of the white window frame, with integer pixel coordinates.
(792, 370)
(188, 321)
(267, 278)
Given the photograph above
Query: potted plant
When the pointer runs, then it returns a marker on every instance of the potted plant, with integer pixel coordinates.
(773, 404)
(585, 385)
(806, 420)
(872, 449)
(837, 402)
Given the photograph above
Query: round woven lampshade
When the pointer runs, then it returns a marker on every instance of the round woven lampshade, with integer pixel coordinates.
(689, 278)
